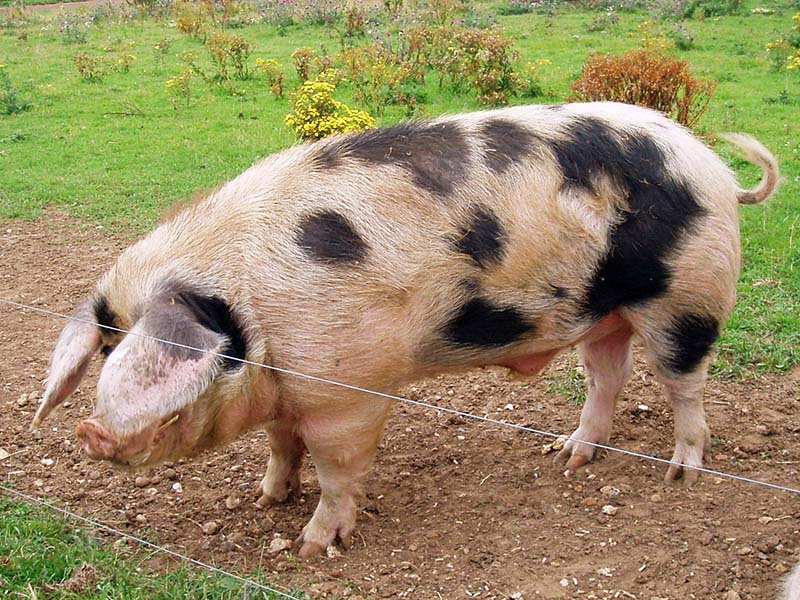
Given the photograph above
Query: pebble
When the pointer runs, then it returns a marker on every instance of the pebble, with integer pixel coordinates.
(333, 552)
(22, 400)
(609, 490)
(232, 502)
(732, 595)
(177, 487)
(610, 510)
(655, 498)
(211, 527)
(3, 454)
(278, 544)
(781, 568)
(140, 518)
(47, 462)
(170, 474)
(141, 481)
(744, 551)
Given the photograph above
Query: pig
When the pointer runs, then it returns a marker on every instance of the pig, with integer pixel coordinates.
(499, 237)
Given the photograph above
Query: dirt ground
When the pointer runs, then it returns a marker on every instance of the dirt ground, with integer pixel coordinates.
(455, 508)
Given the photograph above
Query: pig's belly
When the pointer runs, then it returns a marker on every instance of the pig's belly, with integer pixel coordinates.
(531, 364)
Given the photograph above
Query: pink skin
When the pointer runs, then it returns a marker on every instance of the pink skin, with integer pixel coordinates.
(101, 444)
(97, 442)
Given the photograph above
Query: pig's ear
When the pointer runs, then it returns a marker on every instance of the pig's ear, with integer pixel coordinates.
(145, 380)
(78, 341)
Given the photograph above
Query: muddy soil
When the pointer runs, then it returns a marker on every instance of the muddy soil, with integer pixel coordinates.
(455, 508)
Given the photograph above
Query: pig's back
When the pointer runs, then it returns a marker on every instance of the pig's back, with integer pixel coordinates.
(455, 241)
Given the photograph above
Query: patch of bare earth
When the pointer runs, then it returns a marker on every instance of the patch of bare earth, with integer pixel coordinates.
(455, 508)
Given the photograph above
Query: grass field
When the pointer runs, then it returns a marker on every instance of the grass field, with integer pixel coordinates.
(46, 557)
(117, 151)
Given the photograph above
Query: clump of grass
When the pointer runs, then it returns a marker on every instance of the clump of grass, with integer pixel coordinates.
(48, 557)
(10, 101)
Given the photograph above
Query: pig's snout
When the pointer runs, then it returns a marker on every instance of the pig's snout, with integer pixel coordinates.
(97, 441)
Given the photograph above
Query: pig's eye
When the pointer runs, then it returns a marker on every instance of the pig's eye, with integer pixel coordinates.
(106, 350)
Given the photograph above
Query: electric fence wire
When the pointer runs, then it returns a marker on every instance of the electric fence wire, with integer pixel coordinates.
(444, 409)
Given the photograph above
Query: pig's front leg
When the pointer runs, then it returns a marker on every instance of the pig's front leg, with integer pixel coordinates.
(342, 443)
(285, 459)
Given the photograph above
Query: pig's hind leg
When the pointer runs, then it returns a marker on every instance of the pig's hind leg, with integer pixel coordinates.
(283, 470)
(607, 363)
(679, 354)
(342, 444)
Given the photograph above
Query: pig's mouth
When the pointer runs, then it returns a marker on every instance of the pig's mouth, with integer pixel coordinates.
(138, 450)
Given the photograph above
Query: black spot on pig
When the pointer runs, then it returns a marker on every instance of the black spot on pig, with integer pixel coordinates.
(661, 210)
(484, 240)
(480, 323)
(506, 143)
(559, 292)
(214, 314)
(691, 337)
(328, 236)
(588, 148)
(328, 155)
(105, 316)
(435, 154)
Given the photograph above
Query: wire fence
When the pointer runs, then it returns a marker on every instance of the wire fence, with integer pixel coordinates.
(420, 403)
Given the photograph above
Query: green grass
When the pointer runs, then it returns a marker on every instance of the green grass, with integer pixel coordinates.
(42, 556)
(116, 150)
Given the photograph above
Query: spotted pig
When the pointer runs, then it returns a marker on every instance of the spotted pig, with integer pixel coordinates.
(493, 238)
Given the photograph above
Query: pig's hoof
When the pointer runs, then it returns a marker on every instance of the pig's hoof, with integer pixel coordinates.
(575, 452)
(689, 457)
(272, 494)
(308, 549)
(313, 541)
(265, 501)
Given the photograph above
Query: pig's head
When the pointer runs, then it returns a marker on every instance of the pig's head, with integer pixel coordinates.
(156, 401)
